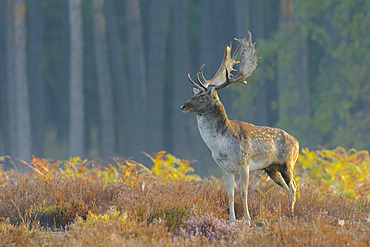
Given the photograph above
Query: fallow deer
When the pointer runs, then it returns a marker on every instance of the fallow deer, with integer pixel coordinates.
(239, 147)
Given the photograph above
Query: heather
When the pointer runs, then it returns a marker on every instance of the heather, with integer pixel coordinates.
(120, 202)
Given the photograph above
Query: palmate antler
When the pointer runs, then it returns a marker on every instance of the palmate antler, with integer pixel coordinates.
(223, 78)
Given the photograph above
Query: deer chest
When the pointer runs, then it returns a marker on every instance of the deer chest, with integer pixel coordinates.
(225, 149)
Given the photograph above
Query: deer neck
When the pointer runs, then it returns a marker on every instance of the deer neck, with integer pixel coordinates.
(213, 123)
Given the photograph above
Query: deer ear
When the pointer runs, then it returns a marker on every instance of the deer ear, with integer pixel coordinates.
(196, 91)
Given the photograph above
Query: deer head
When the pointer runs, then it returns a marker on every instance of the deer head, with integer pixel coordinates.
(205, 95)
(201, 102)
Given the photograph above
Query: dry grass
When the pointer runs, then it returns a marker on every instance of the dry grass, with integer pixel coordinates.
(74, 211)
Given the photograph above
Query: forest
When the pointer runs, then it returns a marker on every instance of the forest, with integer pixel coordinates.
(107, 78)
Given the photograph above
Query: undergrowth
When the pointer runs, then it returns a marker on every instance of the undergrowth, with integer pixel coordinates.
(80, 202)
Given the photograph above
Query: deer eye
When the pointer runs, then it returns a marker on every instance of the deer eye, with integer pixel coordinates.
(203, 98)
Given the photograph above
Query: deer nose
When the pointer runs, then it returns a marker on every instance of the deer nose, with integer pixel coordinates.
(182, 107)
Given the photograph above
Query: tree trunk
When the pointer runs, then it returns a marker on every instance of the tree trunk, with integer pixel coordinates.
(180, 139)
(210, 54)
(137, 76)
(300, 83)
(271, 27)
(22, 120)
(37, 97)
(257, 20)
(10, 78)
(242, 18)
(4, 122)
(123, 114)
(159, 15)
(76, 85)
(293, 81)
(301, 107)
(107, 140)
(285, 17)
(242, 26)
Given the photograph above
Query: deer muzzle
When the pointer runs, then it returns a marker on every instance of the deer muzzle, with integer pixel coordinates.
(187, 107)
(182, 108)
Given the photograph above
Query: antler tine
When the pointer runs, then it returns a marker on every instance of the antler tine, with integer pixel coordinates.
(248, 62)
(201, 73)
(235, 54)
(227, 63)
(194, 84)
(199, 81)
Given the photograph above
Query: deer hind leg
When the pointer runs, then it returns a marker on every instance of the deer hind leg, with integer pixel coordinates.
(286, 171)
(275, 175)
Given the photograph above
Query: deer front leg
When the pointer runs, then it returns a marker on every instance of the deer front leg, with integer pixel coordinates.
(244, 180)
(229, 179)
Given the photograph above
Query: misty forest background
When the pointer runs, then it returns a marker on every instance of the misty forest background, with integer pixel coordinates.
(107, 78)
